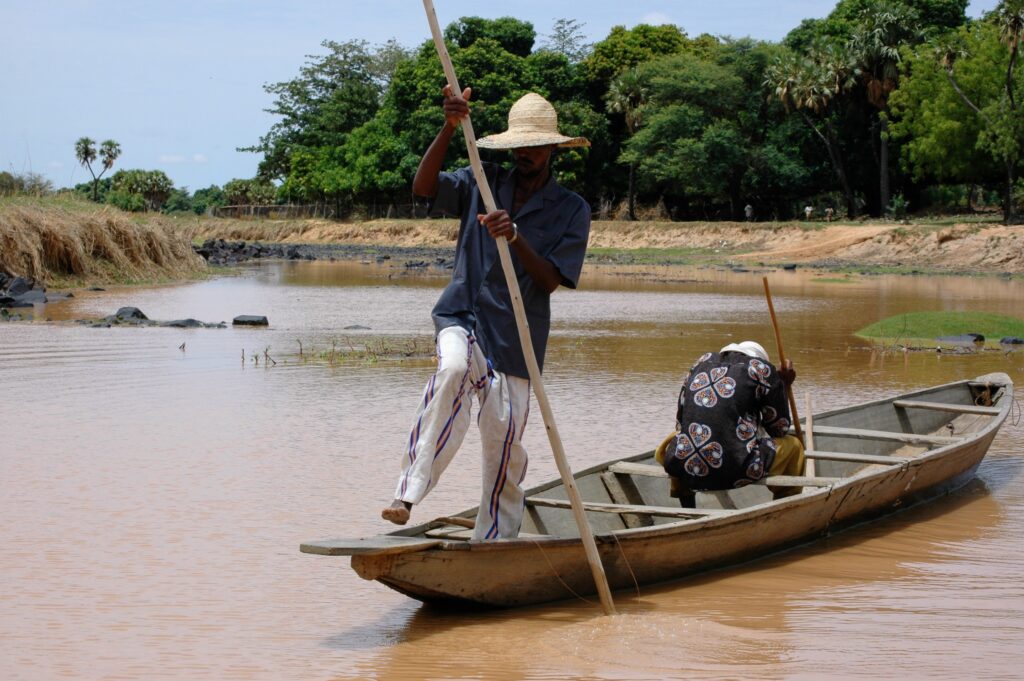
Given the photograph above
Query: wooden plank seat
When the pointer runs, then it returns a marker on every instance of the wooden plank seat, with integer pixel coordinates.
(865, 434)
(943, 406)
(630, 468)
(666, 511)
(856, 458)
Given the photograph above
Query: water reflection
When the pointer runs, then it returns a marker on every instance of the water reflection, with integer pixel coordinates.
(154, 498)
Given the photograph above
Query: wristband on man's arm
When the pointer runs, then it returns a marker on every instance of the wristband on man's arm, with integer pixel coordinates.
(515, 233)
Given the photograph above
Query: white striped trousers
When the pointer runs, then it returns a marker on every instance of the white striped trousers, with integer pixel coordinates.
(442, 420)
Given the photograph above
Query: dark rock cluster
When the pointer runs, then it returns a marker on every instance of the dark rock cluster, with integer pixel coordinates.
(20, 292)
(23, 292)
(133, 316)
(221, 252)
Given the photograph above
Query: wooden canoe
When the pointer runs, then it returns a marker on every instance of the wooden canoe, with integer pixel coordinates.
(871, 459)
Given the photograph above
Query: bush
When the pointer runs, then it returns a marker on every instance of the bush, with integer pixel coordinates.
(897, 208)
(31, 184)
(178, 202)
(153, 187)
(205, 199)
(125, 200)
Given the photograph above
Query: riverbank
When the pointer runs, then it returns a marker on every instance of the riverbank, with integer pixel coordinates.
(967, 246)
(67, 243)
(71, 243)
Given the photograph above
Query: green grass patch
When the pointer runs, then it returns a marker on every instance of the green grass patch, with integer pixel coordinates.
(927, 326)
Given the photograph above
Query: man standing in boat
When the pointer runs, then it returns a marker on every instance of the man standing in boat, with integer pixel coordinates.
(732, 425)
(478, 348)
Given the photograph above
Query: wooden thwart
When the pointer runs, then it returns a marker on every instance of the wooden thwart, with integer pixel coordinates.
(667, 511)
(942, 406)
(856, 458)
(864, 434)
(630, 468)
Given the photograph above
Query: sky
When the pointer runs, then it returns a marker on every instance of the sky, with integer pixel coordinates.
(180, 84)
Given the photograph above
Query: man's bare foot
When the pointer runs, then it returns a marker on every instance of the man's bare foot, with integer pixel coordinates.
(397, 512)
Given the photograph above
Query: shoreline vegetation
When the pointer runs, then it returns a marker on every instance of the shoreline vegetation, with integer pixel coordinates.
(68, 243)
(64, 242)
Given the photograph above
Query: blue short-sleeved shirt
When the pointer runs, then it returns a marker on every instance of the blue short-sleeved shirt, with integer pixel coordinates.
(554, 220)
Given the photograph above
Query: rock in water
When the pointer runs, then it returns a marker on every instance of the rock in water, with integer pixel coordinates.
(250, 320)
(130, 314)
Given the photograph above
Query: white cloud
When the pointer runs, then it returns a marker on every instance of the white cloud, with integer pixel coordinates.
(171, 158)
(199, 158)
(656, 19)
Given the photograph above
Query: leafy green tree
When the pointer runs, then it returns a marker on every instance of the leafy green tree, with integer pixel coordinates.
(86, 153)
(628, 47)
(513, 35)
(627, 95)
(332, 95)
(140, 189)
(205, 199)
(1002, 120)
(846, 19)
(179, 201)
(687, 146)
(254, 192)
(376, 161)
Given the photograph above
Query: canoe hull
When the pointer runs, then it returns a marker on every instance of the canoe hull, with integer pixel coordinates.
(553, 570)
(530, 570)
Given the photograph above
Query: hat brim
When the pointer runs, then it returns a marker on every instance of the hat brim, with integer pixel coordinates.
(517, 140)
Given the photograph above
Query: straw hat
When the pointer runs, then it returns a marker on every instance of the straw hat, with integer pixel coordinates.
(532, 122)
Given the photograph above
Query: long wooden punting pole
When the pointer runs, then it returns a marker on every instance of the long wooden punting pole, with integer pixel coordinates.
(782, 360)
(524, 332)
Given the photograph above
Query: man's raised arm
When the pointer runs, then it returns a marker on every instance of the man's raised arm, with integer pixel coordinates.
(455, 109)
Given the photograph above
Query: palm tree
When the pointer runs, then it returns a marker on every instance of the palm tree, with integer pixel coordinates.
(1009, 16)
(809, 85)
(876, 49)
(85, 152)
(627, 95)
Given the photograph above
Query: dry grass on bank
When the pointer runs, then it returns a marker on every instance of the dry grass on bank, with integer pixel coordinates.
(315, 231)
(73, 243)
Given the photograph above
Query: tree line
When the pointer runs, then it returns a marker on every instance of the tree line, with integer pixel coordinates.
(880, 107)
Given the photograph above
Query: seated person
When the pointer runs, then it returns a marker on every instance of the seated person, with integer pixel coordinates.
(732, 425)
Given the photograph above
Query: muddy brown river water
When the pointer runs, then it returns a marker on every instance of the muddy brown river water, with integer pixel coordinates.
(154, 497)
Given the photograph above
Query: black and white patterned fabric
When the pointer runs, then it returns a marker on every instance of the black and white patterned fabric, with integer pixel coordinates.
(730, 407)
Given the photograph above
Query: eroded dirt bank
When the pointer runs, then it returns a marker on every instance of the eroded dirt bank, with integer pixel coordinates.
(983, 248)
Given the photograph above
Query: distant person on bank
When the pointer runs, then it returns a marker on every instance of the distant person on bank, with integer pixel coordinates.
(732, 424)
(478, 348)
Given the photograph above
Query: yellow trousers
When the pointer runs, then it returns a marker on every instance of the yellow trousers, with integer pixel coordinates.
(789, 460)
